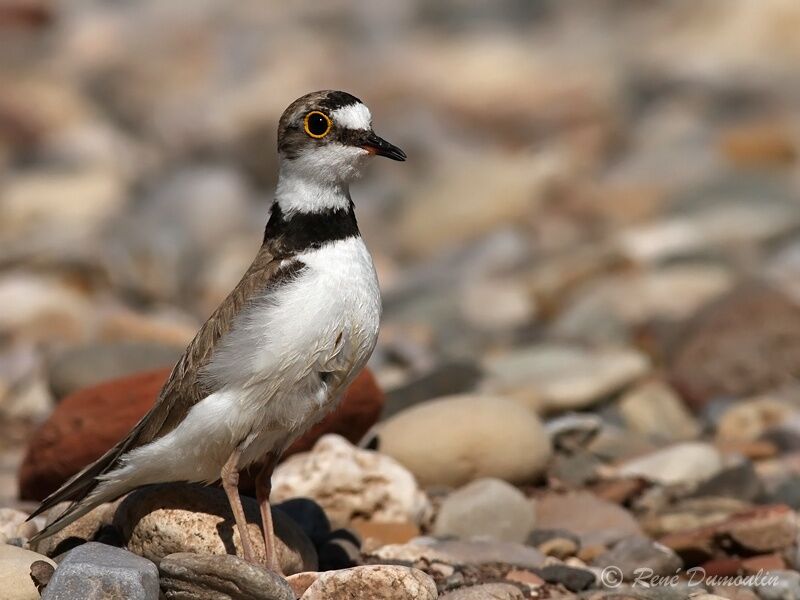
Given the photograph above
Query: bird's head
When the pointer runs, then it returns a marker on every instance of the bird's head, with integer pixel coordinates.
(327, 136)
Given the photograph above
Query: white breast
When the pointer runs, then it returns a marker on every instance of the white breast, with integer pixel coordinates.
(269, 366)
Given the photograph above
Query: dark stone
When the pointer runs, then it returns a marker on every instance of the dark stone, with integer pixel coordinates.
(309, 516)
(575, 580)
(444, 380)
(739, 481)
(338, 554)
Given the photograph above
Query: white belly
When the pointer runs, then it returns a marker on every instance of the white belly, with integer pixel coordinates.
(282, 367)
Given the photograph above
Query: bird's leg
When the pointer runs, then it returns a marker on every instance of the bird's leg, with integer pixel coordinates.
(230, 483)
(263, 489)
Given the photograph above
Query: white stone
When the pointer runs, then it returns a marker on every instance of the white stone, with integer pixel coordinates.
(689, 462)
(388, 582)
(15, 573)
(348, 482)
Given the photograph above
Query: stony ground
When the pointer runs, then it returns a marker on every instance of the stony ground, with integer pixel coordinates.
(591, 341)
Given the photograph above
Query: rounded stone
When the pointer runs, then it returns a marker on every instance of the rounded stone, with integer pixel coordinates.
(453, 440)
(349, 482)
(486, 508)
(15, 572)
(387, 582)
(166, 519)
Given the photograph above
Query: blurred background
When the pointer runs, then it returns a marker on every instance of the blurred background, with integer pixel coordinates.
(600, 197)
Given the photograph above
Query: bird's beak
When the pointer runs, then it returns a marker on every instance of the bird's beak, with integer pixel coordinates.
(379, 146)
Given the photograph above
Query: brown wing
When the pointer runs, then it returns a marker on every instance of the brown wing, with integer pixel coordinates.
(184, 388)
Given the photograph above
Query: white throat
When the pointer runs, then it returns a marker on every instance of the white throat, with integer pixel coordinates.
(298, 193)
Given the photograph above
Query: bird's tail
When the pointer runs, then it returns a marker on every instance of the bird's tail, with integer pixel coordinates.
(87, 490)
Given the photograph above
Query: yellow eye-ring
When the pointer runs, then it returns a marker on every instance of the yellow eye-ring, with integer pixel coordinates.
(317, 124)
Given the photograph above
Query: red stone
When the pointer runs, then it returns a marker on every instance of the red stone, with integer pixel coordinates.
(90, 421)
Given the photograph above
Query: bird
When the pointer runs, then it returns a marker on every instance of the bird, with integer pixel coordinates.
(279, 351)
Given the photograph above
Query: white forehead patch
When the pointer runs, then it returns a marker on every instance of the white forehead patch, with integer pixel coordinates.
(353, 116)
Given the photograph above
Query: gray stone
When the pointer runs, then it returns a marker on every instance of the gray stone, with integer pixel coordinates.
(486, 508)
(786, 586)
(219, 577)
(95, 571)
(559, 377)
(635, 553)
(739, 481)
(81, 367)
(444, 380)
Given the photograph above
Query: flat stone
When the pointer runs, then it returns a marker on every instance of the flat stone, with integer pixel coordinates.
(444, 380)
(495, 591)
(593, 520)
(166, 519)
(688, 462)
(373, 581)
(486, 508)
(635, 553)
(572, 578)
(219, 577)
(459, 552)
(15, 572)
(566, 377)
(96, 571)
(453, 440)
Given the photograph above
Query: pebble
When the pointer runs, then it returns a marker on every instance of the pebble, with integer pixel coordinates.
(787, 586)
(84, 529)
(451, 441)
(563, 377)
(367, 582)
(748, 420)
(574, 579)
(15, 569)
(446, 379)
(96, 571)
(460, 552)
(634, 555)
(689, 462)
(723, 353)
(593, 520)
(219, 577)
(495, 591)
(654, 410)
(367, 484)
(166, 519)
(486, 508)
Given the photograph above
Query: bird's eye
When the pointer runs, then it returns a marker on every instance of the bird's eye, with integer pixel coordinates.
(317, 124)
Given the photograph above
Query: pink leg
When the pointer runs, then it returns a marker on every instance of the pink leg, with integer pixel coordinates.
(230, 483)
(263, 488)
